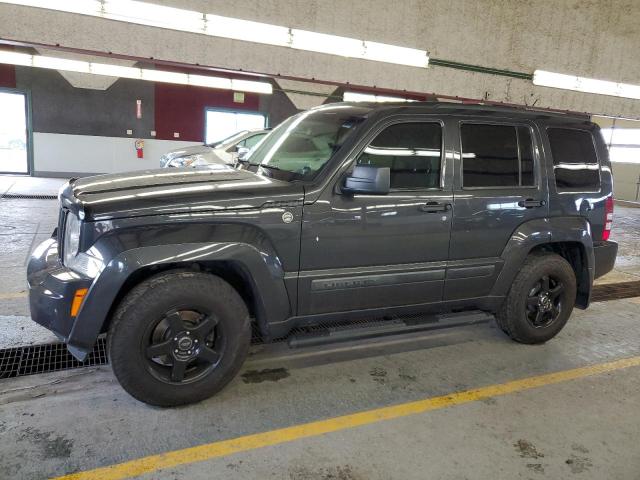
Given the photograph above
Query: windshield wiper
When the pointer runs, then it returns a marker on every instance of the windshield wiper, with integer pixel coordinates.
(270, 167)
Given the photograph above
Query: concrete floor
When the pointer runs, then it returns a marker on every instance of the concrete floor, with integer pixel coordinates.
(587, 428)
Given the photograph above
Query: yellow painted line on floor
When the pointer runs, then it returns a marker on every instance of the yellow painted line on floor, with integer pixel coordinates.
(7, 296)
(213, 450)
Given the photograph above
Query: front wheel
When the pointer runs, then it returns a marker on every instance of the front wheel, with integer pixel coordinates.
(178, 338)
(540, 300)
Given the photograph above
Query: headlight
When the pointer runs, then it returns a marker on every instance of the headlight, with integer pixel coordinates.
(88, 263)
(71, 238)
(188, 161)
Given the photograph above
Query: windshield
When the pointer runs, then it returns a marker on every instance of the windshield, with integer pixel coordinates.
(300, 146)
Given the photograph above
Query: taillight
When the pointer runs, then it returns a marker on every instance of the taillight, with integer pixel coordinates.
(608, 218)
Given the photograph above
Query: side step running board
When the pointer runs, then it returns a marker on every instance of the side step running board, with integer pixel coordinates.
(383, 328)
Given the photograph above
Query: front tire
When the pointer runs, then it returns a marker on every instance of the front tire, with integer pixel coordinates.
(178, 337)
(540, 300)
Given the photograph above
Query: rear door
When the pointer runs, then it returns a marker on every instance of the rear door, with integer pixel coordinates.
(499, 185)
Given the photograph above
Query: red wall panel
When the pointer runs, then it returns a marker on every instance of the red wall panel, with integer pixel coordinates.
(181, 108)
(7, 76)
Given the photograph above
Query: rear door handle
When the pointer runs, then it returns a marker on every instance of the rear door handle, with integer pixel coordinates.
(434, 207)
(531, 203)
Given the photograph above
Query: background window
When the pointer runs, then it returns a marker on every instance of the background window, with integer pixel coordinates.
(623, 140)
(411, 150)
(574, 159)
(221, 124)
(496, 156)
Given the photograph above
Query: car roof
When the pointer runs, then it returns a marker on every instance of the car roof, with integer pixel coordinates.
(452, 108)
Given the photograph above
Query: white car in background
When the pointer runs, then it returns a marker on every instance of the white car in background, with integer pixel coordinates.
(224, 152)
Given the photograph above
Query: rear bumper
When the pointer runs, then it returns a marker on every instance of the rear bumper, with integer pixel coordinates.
(51, 290)
(605, 257)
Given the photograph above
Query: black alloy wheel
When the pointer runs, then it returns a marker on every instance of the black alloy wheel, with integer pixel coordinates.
(184, 346)
(544, 303)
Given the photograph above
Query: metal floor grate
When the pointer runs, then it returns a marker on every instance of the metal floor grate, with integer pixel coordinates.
(29, 196)
(50, 357)
(615, 291)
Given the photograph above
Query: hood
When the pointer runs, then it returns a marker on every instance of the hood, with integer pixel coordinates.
(177, 190)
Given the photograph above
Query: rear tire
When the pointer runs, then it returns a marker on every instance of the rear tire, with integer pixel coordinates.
(540, 300)
(178, 337)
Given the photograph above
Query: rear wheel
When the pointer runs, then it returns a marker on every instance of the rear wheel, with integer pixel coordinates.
(540, 300)
(178, 338)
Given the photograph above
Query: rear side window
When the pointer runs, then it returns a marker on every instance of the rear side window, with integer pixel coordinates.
(496, 156)
(575, 162)
(411, 150)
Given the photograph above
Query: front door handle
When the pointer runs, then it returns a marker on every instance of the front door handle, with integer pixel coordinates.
(434, 207)
(531, 203)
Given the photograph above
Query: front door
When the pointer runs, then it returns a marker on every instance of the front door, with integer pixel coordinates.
(371, 251)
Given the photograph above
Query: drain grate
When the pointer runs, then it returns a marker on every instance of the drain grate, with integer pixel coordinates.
(615, 291)
(29, 196)
(51, 357)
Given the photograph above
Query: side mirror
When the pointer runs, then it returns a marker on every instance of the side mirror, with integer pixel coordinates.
(242, 152)
(368, 179)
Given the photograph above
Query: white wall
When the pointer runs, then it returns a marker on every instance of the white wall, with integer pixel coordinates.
(625, 180)
(597, 38)
(57, 153)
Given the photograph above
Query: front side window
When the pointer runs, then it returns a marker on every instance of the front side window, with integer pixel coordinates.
(496, 156)
(411, 150)
(575, 162)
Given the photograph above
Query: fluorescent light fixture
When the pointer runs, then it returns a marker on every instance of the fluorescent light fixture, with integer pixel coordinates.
(586, 85)
(165, 77)
(211, 82)
(65, 64)
(323, 43)
(249, 86)
(237, 29)
(381, 52)
(55, 63)
(14, 58)
(144, 13)
(116, 71)
(366, 97)
(86, 7)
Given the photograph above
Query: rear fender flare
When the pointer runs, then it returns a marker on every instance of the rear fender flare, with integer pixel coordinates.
(539, 232)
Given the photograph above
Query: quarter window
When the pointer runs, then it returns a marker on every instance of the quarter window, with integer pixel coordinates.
(412, 151)
(496, 155)
(575, 162)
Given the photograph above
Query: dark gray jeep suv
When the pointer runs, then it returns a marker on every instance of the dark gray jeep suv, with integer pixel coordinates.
(355, 210)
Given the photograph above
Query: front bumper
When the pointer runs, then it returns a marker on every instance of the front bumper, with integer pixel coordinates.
(51, 291)
(605, 257)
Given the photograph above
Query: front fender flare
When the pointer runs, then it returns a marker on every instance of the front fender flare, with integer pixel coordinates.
(263, 270)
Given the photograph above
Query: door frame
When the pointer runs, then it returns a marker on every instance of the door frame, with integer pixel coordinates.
(29, 127)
